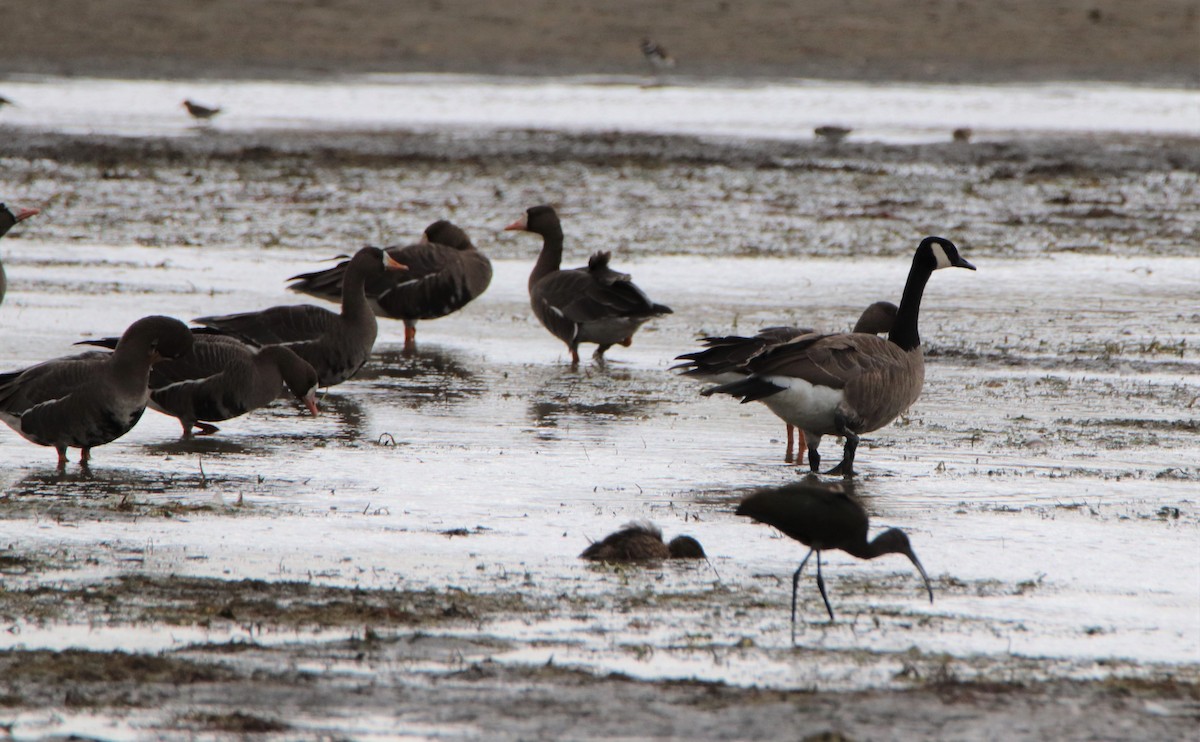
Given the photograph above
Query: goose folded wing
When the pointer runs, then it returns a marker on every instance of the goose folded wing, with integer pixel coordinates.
(48, 381)
(277, 325)
(828, 360)
(433, 286)
(585, 299)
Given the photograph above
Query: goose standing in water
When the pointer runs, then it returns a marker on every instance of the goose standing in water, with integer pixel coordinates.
(221, 378)
(847, 384)
(724, 359)
(90, 399)
(582, 305)
(444, 273)
(336, 345)
(8, 220)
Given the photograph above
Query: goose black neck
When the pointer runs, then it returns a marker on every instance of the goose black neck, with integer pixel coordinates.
(904, 331)
(550, 258)
(354, 297)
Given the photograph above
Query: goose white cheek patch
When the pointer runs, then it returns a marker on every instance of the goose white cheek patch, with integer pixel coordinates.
(939, 254)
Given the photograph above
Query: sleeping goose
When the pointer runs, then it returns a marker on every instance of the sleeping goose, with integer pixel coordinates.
(583, 305)
(641, 541)
(336, 345)
(90, 399)
(8, 220)
(222, 377)
(724, 359)
(445, 272)
(847, 384)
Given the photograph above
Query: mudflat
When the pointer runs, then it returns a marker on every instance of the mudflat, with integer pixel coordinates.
(1152, 41)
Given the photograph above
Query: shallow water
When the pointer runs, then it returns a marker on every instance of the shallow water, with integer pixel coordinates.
(782, 110)
(1039, 492)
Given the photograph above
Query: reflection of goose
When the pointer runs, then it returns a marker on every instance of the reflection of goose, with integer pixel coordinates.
(444, 273)
(825, 516)
(560, 397)
(724, 359)
(336, 345)
(847, 384)
(583, 305)
(222, 377)
(90, 399)
(8, 220)
(641, 541)
(431, 377)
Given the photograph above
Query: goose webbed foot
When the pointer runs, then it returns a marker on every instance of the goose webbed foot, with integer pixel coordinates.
(599, 354)
(846, 467)
(205, 428)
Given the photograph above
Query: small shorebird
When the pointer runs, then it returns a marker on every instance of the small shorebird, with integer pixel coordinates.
(961, 134)
(832, 134)
(199, 111)
(656, 56)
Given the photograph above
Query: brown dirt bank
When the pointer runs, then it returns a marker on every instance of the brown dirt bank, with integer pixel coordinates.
(928, 40)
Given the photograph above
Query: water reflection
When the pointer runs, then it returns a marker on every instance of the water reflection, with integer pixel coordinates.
(594, 397)
(428, 376)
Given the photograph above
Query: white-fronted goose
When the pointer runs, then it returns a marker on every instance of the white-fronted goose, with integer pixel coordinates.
(9, 219)
(847, 384)
(445, 272)
(87, 400)
(336, 345)
(200, 111)
(724, 359)
(222, 377)
(825, 516)
(642, 541)
(583, 305)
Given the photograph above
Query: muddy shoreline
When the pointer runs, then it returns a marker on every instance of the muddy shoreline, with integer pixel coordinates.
(350, 576)
(934, 40)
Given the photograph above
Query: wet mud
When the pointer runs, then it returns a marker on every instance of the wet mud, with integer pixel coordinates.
(406, 563)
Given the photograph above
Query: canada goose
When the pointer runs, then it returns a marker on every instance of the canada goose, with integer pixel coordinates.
(847, 384)
(825, 516)
(8, 220)
(583, 305)
(445, 272)
(199, 111)
(221, 378)
(724, 359)
(90, 399)
(642, 541)
(336, 345)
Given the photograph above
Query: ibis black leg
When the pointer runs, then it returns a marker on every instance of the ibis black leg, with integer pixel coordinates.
(821, 587)
(795, 585)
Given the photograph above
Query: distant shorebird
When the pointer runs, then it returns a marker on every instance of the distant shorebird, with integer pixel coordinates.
(961, 134)
(832, 134)
(656, 56)
(642, 541)
(825, 516)
(201, 112)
